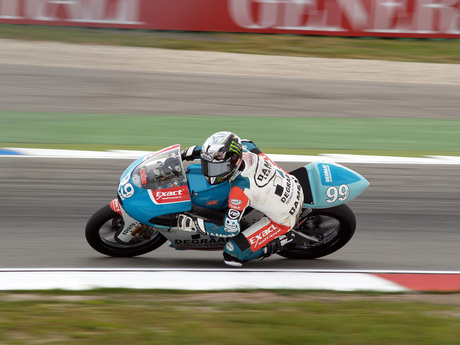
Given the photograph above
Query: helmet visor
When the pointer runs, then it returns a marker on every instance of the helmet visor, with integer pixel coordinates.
(215, 169)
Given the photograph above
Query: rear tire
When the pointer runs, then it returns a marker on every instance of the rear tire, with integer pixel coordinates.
(100, 234)
(336, 226)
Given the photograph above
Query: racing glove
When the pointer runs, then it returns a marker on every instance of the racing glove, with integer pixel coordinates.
(191, 224)
(191, 153)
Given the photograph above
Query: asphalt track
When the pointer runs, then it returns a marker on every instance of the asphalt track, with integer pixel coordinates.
(89, 90)
(407, 219)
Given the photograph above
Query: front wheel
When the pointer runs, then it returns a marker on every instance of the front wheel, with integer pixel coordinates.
(325, 231)
(105, 223)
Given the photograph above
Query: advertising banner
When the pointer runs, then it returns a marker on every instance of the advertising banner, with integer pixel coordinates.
(382, 18)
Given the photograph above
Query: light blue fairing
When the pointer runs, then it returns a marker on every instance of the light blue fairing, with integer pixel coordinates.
(203, 194)
(333, 184)
(145, 192)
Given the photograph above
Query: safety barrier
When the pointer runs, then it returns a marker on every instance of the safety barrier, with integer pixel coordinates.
(379, 18)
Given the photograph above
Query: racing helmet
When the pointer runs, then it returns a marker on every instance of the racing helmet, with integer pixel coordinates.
(221, 157)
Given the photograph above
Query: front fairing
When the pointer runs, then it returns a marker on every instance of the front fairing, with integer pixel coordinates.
(155, 185)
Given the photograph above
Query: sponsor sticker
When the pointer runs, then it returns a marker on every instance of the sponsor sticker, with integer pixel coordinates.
(268, 233)
(115, 206)
(203, 243)
(236, 202)
(170, 195)
(233, 214)
(327, 173)
(229, 247)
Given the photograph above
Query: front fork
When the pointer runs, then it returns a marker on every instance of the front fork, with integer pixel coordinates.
(131, 227)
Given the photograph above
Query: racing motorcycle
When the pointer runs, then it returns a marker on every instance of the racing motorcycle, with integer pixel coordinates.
(156, 188)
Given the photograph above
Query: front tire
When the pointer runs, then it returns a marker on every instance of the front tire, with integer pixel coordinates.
(100, 233)
(332, 227)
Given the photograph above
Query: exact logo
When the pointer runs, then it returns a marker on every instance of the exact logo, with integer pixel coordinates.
(160, 195)
(259, 239)
(170, 195)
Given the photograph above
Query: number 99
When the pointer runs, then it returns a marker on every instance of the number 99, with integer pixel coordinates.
(334, 193)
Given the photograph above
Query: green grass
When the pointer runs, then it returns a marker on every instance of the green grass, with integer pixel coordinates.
(188, 318)
(420, 50)
(401, 137)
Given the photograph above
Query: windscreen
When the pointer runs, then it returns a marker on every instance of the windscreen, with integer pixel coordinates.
(161, 170)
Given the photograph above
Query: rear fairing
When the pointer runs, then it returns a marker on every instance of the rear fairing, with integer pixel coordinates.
(329, 184)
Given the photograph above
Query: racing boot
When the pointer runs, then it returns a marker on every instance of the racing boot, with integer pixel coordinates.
(235, 253)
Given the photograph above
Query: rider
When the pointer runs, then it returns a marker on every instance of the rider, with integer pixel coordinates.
(255, 182)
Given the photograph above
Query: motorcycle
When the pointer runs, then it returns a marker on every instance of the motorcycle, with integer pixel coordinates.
(156, 188)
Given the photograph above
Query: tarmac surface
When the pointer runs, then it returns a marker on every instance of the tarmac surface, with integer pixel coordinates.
(407, 219)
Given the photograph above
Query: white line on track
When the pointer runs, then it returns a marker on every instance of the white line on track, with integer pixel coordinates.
(338, 158)
(199, 280)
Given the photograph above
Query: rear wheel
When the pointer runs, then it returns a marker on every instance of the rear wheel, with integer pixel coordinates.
(105, 224)
(322, 233)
